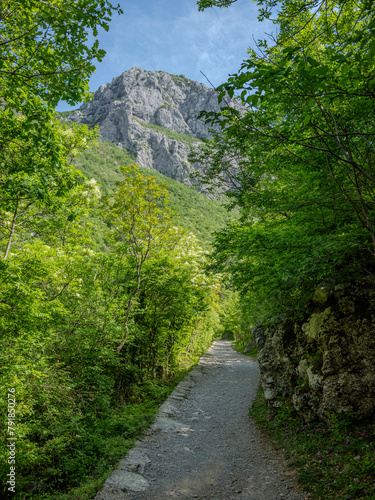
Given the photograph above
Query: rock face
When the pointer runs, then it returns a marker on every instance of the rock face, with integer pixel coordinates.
(153, 115)
(326, 363)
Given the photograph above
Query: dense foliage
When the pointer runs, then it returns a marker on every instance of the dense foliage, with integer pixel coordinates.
(94, 325)
(104, 297)
(82, 330)
(45, 57)
(299, 158)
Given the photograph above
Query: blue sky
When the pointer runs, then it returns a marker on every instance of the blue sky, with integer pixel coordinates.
(172, 36)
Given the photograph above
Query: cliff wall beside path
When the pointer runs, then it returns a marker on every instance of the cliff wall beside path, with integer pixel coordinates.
(325, 363)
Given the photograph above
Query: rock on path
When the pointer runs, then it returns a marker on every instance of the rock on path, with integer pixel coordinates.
(203, 444)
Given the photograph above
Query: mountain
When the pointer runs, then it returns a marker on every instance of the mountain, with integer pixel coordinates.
(150, 118)
(153, 116)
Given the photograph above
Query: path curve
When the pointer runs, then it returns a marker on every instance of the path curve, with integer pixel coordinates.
(203, 444)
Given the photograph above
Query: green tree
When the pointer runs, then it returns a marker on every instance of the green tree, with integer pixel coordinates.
(299, 159)
(141, 230)
(174, 306)
(45, 50)
(37, 188)
(65, 311)
(45, 57)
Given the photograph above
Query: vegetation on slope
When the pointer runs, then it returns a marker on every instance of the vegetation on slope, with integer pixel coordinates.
(91, 341)
(86, 333)
(195, 212)
(190, 140)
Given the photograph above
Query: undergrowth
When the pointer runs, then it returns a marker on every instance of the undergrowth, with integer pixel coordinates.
(335, 460)
(101, 445)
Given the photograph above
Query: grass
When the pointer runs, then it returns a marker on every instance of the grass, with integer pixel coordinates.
(253, 353)
(65, 113)
(335, 460)
(182, 78)
(240, 347)
(190, 140)
(115, 437)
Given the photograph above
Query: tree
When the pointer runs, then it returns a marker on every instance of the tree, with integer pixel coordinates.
(174, 306)
(36, 184)
(44, 49)
(299, 160)
(205, 4)
(44, 58)
(141, 229)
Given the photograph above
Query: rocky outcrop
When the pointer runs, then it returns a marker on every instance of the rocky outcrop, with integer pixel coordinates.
(326, 363)
(153, 115)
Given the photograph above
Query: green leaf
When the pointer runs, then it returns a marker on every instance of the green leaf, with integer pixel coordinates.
(307, 119)
(372, 49)
(321, 71)
(313, 62)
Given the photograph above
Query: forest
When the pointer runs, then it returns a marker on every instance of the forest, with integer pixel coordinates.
(106, 295)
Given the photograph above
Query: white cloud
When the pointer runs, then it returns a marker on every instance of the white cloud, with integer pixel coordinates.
(171, 35)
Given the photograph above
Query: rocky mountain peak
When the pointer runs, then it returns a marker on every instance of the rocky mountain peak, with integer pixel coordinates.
(153, 115)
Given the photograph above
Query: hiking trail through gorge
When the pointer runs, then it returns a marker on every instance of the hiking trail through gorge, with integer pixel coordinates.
(203, 444)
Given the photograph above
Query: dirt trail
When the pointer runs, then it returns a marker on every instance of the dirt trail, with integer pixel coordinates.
(203, 444)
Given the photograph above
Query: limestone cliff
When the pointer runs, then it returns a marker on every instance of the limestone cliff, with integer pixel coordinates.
(153, 115)
(326, 363)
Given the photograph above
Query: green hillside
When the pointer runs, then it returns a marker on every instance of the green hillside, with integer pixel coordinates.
(197, 213)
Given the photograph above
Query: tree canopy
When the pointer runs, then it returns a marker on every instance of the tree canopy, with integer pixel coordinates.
(44, 47)
(45, 57)
(299, 158)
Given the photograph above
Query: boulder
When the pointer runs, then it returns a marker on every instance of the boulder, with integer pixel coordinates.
(323, 292)
(250, 346)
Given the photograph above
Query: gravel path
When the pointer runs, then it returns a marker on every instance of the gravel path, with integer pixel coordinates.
(203, 443)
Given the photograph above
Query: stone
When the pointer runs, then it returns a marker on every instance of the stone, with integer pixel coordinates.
(168, 425)
(110, 493)
(313, 327)
(326, 362)
(124, 480)
(135, 461)
(323, 292)
(250, 346)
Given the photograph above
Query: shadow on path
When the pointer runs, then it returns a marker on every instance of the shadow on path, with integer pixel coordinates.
(203, 444)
